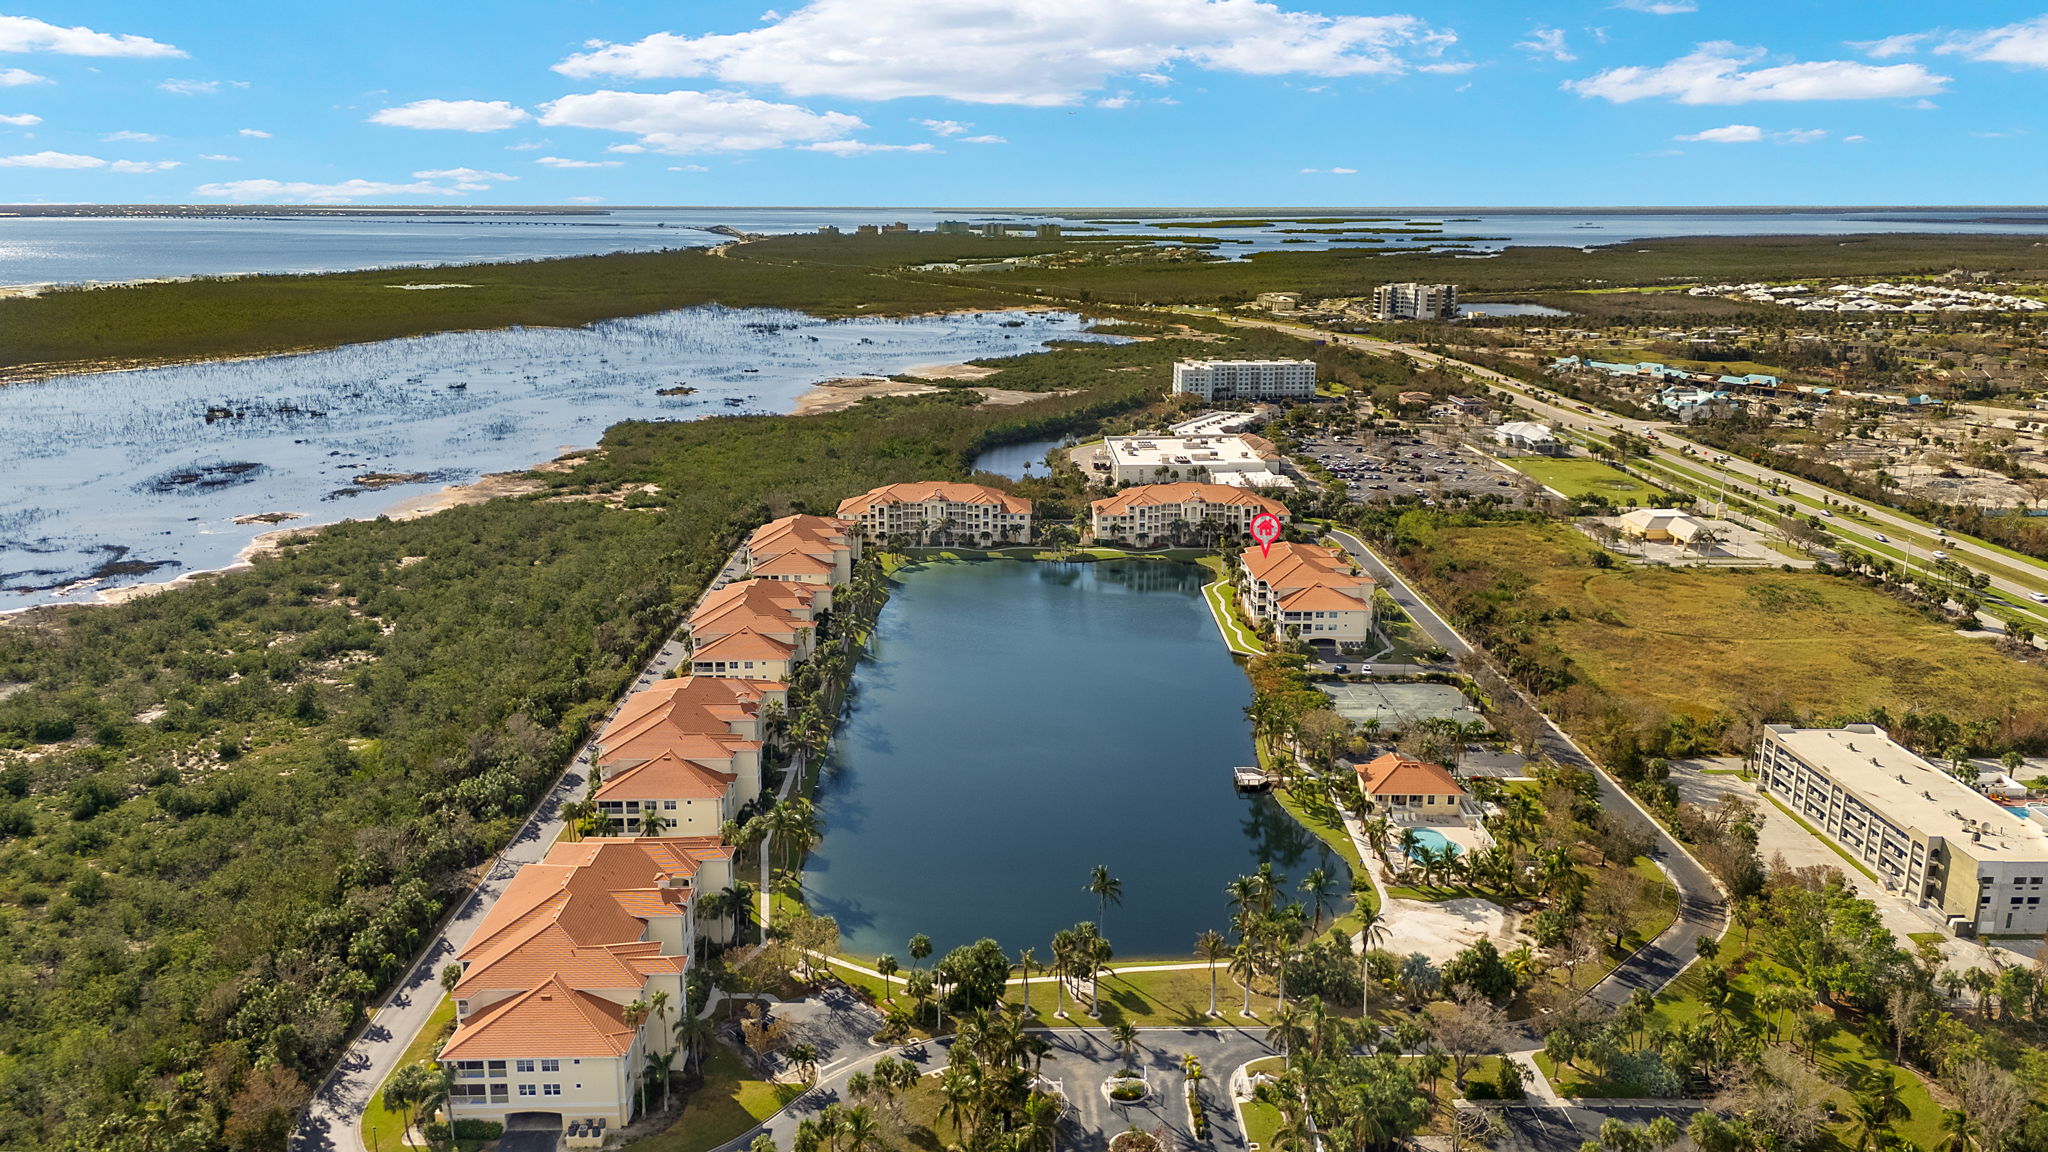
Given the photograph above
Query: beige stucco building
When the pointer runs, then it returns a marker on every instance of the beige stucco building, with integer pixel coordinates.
(940, 512)
(1151, 513)
(1309, 592)
(1929, 837)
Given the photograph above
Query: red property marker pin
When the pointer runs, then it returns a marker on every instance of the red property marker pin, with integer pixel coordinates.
(1265, 529)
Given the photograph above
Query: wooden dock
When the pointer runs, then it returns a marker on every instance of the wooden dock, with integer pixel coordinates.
(1251, 779)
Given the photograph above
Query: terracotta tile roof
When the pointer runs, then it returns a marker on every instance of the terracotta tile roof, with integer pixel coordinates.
(695, 704)
(1393, 774)
(1327, 598)
(917, 492)
(552, 1019)
(816, 535)
(1187, 491)
(765, 596)
(666, 776)
(1304, 563)
(547, 953)
(573, 886)
(792, 563)
(745, 644)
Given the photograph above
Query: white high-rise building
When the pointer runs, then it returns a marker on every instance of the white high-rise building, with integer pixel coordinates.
(1218, 380)
(1415, 302)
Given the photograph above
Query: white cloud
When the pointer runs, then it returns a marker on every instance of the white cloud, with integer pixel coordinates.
(22, 120)
(467, 175)
(1034, 52)
(1329, 171)
(1547, 42)
(220, 158)
(452, 115)
(253, 133)
(199, 87)
(1854, 139)
(126, 137)
(17, 77)
(51, 160)
(1732, 134)
(684, 122)
(946, 127)
(688, 168)
(563, 162)
(2024, 44)
(586, 199)
(301, 192)
(862, 147)
(1713, 74)
(142, 166)
(1750, 134)
(984, 140)
(524, 147)
(1659, 7)
(26, 34)
(1890, 46)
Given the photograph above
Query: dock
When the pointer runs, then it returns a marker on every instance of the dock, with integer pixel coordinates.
(1251, 779)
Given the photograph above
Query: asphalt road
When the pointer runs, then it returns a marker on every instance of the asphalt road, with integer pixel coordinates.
(333, 1119)
(1995, 564)
(1702, 908)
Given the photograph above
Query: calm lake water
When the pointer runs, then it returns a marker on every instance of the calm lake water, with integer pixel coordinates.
(149, 470)
(1016, 724)
(72, 250)
(1010, 459)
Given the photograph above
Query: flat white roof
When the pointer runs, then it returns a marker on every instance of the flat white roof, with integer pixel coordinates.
(1912, 793)
(1229, 453)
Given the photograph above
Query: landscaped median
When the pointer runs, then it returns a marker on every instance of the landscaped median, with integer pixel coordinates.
(1222, 600)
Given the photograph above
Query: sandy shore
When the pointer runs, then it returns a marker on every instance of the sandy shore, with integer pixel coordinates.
(843, 393)
(487, 487)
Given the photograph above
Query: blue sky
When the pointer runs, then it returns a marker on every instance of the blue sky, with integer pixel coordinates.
(1025, 102)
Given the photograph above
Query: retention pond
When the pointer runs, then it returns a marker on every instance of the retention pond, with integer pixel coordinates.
(1015, 724)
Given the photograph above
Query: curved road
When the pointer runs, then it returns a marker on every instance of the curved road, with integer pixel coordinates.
(1702, 906)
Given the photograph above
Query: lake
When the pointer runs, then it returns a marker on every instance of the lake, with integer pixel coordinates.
(1010, 459)
(117, 477)
(1015, 724)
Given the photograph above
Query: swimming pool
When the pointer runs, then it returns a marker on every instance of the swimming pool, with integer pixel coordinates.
(1436, 842)
(2026, 813)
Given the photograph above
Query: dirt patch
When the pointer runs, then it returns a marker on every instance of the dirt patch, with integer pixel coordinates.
(949, 371)
(487, 487)
(846, 391)
(1012, 396)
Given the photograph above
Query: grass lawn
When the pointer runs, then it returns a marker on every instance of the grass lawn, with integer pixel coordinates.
(383, 1128)
(1577, 477)
(725, 1105)
(1261, 1121)
(1714, 642)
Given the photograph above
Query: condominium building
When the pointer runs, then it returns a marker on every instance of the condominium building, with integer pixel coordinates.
(1309, 592)
(545, 1021)
(780, 611)
(1150, 513)
(687, 749)
(1928, 837)
(1415, 302)
(941, 512)
(1241, 461)
(1219, 380)
(803, 549)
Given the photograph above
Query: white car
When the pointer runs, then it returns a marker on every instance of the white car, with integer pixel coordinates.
(1938, 554)
(1881, 538)
(1825, 512)
(2038, 597)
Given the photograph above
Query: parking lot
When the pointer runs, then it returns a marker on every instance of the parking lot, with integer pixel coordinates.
(1376, 466)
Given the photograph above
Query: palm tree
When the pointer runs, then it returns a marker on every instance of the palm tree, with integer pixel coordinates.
(1039, 1129)
(657, 1007)
(410, 1090)
(1372, 932)
(1875, 1105)
(1107, 890)
(1321, 888)
(858, 1131)
(693, 1032)
(805, 1058)
(920, 947)
(1026, 960)
(635, 1014)
(1124, 1035)
(1244, 964)
(660, 1065)
(887, 967)
(1958, 1132)
(1287, 1033)
(654, 824)
(1212, 946)
(1062, 967)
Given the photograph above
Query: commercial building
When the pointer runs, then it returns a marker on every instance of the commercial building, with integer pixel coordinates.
(1241, 461)
(933, 511)
(1216, 424)
(1151, 513)
(1928, 837)
(1309, 592)
(1661, 525)
(817, 550)
(1220, 380)
(1415, 302)
(546, 1016)
(1528, 438)
(1688, 403)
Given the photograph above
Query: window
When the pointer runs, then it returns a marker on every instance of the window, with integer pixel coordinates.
(668, 805)
(499, 1095)
(526, 1090)
(551, 1065)
(551, 1089)
(525, 1065)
